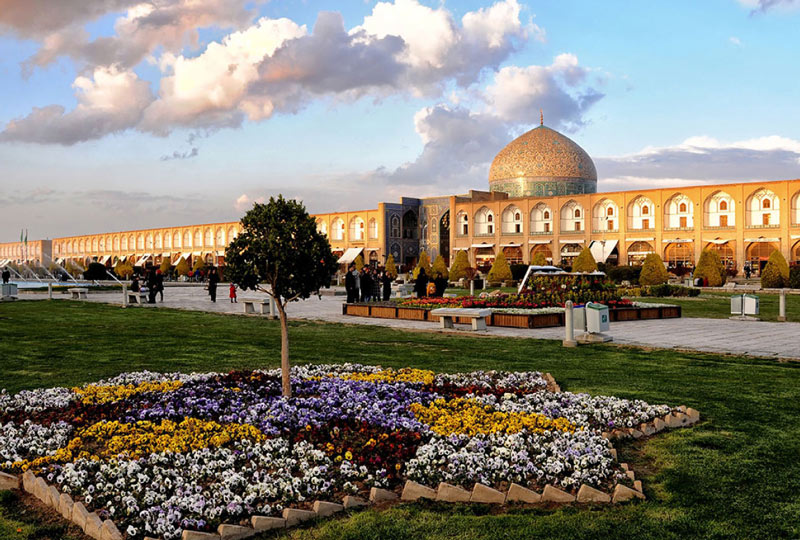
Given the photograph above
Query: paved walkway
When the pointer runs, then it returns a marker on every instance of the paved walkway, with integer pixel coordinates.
(754, 338)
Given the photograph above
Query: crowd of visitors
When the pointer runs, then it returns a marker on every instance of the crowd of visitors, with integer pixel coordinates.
(368, 285)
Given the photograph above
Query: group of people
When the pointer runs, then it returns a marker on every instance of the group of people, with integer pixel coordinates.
(368, 285)
(424, 286)
(154, 285)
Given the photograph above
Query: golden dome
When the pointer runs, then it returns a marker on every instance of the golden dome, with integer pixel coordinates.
(542, 162)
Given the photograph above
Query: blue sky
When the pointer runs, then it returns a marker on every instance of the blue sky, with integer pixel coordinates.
(167, 119)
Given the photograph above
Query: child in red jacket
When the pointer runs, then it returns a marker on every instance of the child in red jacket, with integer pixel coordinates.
(233, 294)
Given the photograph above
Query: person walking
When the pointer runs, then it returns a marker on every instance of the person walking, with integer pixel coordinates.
(386, 281)
(6, 275)
(232, 294)
(213, 279)
(351, 283)
(152, 286)
(366, 285)
(421, 285)
(160, 285)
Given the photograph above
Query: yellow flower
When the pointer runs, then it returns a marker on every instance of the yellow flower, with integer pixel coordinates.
(390, 375)
(348, 456)
(97, 394)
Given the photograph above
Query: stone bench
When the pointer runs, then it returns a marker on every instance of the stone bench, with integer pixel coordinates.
(137, 297)
(78, 293)
(249, 305)
(477, 316)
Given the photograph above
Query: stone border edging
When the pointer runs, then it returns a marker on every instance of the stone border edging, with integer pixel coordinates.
(91, 524)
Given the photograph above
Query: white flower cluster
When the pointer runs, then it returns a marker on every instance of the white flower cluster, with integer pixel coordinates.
(529, 311)
(137, 377)
(32, 401)
(522, 380)
(30, 441)
(555, 457)
(163, 493)
(597, 412)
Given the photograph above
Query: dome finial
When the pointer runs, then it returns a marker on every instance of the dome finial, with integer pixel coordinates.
(541, 117)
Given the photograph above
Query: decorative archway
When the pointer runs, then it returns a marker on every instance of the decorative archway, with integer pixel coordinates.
(484, 258)
(757, 254)
(679, 255)
(726, 252)
(544, 249)
(410, 224)
(638, 251)
(444, 237)
(513, 254)
(796, 253)
(569, 252)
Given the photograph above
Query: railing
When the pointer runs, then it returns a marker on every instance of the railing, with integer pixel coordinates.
(513, 233)
(484, 234)
(768, 226)
(601, 231)
(648, 229)
(718, 227)
(678, 228)
(540, 233)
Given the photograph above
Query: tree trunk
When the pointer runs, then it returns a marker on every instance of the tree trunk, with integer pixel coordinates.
(286, 380)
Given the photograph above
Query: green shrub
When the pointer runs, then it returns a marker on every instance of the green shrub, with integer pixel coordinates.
(198, 264)
(459, 267)
(359, 263)
(794, 277)
(653, 271)
(439, 268)
(539, 259)
(96, 271)
(166, 265)
(619, 274)
(182, 268)
(777, 258)
(500, 270)
(771, 277)
(584, 262)
(424, 262)
(391, 269)
(710, 268)
(124, 270)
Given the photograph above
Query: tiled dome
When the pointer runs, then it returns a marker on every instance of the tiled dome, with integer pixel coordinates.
(542, 162)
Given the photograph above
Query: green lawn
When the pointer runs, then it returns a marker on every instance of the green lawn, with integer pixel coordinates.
(717, 305)
(734, 475)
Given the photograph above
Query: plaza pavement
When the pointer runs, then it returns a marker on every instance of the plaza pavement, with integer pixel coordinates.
(753, 338)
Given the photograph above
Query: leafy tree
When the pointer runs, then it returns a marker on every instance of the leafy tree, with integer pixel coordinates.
(458, 269)
(95, 271)
(584, 262)
(500, 270)
(424, 262)
(280, 246)
(166, 264)
(710, 267)
(123, 269)
(539, 259)
(776, 272)
(777, 257)
(198, 264)
(794, 277)
(359, 263)
(182, 268)
(653, 271)
(439, 268)
(391, 269)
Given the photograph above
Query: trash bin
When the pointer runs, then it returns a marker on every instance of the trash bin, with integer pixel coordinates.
(750, 304)
(9, 289)
(596, 318)
(579, 318)
(737, 304)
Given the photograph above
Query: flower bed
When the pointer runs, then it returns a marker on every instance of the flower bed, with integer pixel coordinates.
(158, 453)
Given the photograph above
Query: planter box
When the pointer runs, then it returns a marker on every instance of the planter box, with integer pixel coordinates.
(546, 320)
(510, 320)
(624, 314)
(649, 313)
(673, 312)
(358, 311)
(412, 314)
(383, 312)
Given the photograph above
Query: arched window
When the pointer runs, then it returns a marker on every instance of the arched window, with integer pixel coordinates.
(678, 212)
(610, 211)
(462, 222)
(395, 227)
(176, 239)
(209, 238)
(322, 227)
(232, 233)
(356, 229)
(763, 209)
(603, 216)
(541, 221)
(220, 236)
(682, 207)
(139, 242)
(639, 212)
(723, 205)
(645, 210)
(167, 241)
(765, 204)
(410, 225)
(484, 222)
(571, 217)
(158, 241)
(198, 238)
(373, 229)
(187, 239)
(512, 221)
(337, 229)
(149, 241)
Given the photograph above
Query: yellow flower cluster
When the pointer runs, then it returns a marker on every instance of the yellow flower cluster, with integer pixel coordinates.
(470, 417)
(407, 375)
(96, 394)
(105, 440)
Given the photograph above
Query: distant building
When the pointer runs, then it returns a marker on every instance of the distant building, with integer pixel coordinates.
(542, 198)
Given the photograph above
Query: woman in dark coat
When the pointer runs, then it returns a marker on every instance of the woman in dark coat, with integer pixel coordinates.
(213, 279)
(421, 286)
(386, 281)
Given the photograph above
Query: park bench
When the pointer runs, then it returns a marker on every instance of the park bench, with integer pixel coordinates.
(477, 316)
(249, 305)
(137, 298)
(78, 292)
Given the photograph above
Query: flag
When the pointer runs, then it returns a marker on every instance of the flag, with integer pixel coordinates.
(20, 235)
(26, 237)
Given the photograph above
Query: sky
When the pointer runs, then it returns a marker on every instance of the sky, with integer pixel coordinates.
(125, 114)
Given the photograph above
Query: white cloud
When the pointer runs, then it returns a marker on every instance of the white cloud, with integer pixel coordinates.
(735, 41)
(766, 5)
(108, 102)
